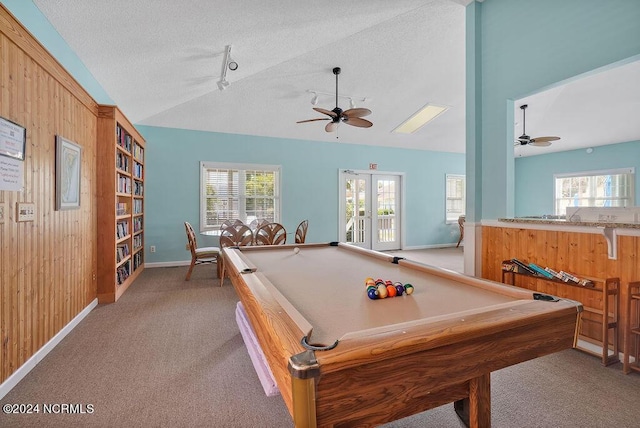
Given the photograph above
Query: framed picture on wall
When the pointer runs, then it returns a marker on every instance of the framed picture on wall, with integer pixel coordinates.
(13, 139)
(68, 162)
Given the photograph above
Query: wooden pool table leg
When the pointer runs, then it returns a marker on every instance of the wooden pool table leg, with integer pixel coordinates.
(304, 402)
(304, 370)
(475, 411)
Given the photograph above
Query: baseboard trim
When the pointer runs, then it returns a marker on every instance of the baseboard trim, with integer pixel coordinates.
(24, 369)
(167, 264)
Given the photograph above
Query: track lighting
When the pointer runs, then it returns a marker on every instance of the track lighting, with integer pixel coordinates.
(314, 99)
(352, 103)
(227, 63)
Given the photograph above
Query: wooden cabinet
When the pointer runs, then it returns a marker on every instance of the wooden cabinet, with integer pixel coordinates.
(600, 318)
(632, 331)
(120, 164)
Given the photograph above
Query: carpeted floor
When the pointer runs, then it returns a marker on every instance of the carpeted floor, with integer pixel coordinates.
(169, 354)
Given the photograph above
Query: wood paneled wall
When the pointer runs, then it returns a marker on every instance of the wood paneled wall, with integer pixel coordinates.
(578, 253)
(47, 266)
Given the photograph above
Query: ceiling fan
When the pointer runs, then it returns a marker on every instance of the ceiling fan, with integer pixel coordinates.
(524, 139)
(351, 116)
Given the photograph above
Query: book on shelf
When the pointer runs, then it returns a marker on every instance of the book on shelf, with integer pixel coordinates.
(123, 139)
(540, 271)
(137, 241)
(122, 273)
(121, 208)
(122, 229)
(523, 267)
(554, 273)
(138, 152)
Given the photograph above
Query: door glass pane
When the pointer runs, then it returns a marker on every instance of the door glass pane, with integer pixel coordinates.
(355, 193)
(386, 209)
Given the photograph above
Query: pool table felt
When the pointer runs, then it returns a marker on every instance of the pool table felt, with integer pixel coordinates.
(326, 286)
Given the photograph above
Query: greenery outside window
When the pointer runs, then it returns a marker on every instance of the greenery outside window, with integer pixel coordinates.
(608, 188)
(238, 191)
(455, 197)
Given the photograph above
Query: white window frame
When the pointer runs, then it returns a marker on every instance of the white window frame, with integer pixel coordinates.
(618, 171)
(204, 166)
(451, 216)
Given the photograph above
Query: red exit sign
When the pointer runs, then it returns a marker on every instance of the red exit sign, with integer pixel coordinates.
(373, 166)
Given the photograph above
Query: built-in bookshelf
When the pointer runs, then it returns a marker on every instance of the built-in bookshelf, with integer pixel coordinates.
(120, 203)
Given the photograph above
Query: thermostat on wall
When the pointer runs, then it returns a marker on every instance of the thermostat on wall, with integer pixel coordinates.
(25, 211)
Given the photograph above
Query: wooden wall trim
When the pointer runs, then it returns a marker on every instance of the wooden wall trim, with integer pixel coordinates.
(10, 27)
(581, 253)
(48, 265)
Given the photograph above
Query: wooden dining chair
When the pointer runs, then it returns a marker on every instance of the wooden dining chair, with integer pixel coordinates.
(228, 223)
(461, 220)
(255, 224)
(270, 234)
(301, 231)
(234, 236)
(200, 255)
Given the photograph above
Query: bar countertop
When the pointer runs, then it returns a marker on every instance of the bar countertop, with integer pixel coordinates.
(564, 222)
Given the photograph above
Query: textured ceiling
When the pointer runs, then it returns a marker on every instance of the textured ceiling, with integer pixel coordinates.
(160, 62)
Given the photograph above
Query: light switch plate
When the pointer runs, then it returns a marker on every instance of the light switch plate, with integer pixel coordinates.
(25, 211)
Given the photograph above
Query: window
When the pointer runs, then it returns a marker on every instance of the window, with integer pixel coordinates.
(455, 197)
(238, 191)
(611, 188)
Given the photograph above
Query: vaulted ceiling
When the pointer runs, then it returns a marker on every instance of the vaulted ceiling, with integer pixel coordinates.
(160, 62)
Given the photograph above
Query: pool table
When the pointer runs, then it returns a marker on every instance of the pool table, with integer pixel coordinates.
(342, 359)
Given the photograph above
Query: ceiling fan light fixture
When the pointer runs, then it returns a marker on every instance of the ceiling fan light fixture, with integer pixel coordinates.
(420, 118)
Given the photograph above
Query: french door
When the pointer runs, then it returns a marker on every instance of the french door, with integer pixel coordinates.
(370, 206)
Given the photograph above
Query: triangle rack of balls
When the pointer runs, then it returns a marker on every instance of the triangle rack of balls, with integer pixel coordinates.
(381, 289)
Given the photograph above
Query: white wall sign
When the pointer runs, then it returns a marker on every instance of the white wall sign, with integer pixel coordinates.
(11, 174)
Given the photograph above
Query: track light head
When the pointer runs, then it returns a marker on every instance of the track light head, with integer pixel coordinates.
(222, 85)
(352, 103)
(314, 99)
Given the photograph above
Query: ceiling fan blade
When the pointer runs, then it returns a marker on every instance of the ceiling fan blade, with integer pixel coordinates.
(539, 143)
(324, 111)
(356, 112)
(356, 121)
(313, 120)
(544, 139)
(331, 126)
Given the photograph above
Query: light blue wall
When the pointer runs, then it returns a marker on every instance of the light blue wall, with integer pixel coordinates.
(30, 16)
(309, 184)
(534, 174)
(524, 46)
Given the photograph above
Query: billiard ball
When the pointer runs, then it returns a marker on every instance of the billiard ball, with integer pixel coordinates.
(382, 291)
(408, 288)
(399, 289)
(372, 293)
(296, 250)
(391, 291)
